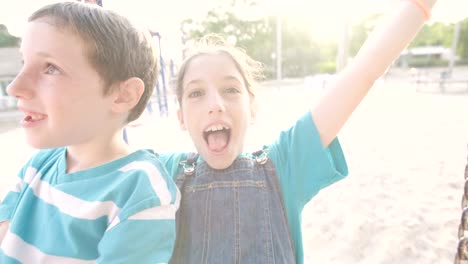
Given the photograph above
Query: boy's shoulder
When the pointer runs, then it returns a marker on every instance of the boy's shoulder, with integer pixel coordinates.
(144, 162)
(45, 155)
(141, 176)
(139, 160)
(48, 153)
(171, 161)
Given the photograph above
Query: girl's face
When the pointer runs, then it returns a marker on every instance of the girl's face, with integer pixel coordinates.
(216, 109)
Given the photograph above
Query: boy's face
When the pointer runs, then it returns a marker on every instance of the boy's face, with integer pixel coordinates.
(60, 93)
(216, 109)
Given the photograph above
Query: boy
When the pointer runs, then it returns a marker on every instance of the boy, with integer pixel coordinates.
(85, 197)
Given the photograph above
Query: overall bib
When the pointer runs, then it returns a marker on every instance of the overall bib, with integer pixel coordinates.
(235, 215)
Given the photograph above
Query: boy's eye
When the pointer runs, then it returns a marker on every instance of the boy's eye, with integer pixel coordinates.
(52, 70)
(195, 93)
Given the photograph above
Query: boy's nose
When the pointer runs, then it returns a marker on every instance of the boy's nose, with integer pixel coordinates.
(20, 87)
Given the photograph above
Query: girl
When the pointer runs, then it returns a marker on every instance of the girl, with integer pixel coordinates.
(242, 207)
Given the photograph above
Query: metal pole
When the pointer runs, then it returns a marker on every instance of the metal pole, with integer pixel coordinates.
(165, 110)
(279, 55)
(456, 38)
(343, 47)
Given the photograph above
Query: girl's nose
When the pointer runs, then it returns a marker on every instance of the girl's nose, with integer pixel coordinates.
(20, 87)
(216, 104)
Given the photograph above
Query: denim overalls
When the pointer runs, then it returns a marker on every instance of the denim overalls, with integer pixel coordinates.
(235, 215)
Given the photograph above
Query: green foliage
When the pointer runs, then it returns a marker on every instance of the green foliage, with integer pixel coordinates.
(301, 55)
(424, 62)
(360, 32)
(327, 67)
(462, 50)
(7, 40)
(442, 34)
(255, 37)
(437, 34)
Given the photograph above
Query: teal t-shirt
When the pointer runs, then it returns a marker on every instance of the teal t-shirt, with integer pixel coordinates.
(303, 165)
(119, 212)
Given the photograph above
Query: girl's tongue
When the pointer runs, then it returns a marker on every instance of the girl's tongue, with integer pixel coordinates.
(217, 140)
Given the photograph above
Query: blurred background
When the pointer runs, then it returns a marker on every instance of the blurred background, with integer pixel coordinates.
(406, 144)
(293, 39)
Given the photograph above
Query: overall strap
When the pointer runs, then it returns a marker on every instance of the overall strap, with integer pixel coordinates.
(189, 164)
(261, 156)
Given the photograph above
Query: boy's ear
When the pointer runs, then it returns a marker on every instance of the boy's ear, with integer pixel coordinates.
(128, 94)
(181, 119)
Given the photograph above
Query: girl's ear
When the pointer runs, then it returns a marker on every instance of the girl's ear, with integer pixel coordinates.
(127, 95)
(180, 116)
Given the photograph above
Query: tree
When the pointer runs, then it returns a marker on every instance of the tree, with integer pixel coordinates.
(255, 36)
(301, 54)
(463, 41)
(7, 40)
(437, 34)
(360, 32)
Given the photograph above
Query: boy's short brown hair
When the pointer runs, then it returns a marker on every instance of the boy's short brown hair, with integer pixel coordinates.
(116, 49)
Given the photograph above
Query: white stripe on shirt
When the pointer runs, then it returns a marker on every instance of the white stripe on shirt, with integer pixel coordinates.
(72, 205)
(155, 178)
(158, 212)
(30, 174)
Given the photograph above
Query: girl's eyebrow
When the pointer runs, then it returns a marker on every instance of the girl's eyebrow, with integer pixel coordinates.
(231, 78)
(226, 78)
(196, 81)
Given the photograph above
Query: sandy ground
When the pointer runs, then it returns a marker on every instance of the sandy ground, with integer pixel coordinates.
(406, 152)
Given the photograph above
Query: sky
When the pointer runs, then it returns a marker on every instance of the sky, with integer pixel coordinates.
(325, 17)
(167, 14)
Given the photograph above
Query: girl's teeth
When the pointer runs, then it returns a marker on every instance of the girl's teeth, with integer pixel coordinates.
(215, 128)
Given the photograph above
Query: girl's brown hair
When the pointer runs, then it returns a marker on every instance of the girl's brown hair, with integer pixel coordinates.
(250, 69)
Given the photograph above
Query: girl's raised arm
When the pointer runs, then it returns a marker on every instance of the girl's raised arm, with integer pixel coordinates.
(381, 48)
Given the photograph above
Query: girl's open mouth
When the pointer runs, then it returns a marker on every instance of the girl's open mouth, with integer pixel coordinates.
(217, 137)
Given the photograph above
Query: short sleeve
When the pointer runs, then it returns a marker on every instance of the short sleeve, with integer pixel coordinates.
(145, 229)
(303, 164)
(171, 160)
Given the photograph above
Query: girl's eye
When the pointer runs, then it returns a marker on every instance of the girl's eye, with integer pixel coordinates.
(232, 90)
(52, 70)
(195, 93)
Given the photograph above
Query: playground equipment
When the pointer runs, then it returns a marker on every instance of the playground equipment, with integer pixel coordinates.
(462, 249)
(161, 88)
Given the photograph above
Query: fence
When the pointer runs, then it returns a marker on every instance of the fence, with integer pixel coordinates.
(6, 102)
